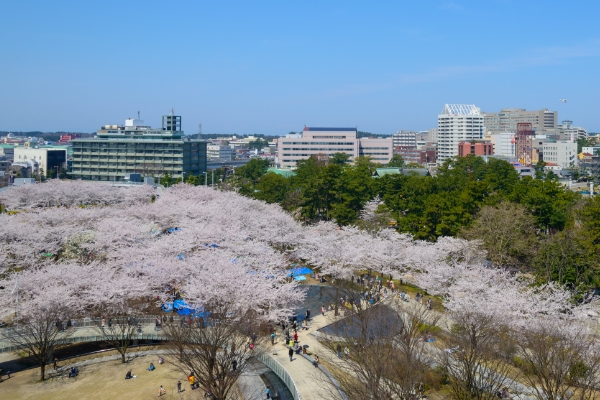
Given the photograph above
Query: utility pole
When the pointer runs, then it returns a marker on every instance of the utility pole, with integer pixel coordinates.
(213, 178)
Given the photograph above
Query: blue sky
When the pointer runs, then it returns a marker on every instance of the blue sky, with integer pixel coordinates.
(273, 67)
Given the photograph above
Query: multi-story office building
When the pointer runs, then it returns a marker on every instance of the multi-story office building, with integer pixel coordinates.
(457, 123)
(570, 132)
(119, 150)
(405, 139)
(45, 159)
(563, 154)
(328, 141)
(507, 119)
(218, 152)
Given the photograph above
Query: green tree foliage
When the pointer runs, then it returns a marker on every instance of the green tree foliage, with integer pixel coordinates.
(536, 225)
(271, 188)
(396, 161)
(340, 158)
(254, 170)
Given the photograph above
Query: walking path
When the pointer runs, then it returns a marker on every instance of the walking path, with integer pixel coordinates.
(309, 381)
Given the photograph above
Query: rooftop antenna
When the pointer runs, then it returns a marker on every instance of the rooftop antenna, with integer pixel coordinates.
(138, 115)
(199, 130)
(171, 110)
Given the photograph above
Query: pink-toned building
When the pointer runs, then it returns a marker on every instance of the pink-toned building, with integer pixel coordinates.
(328, 141)
(477, 148)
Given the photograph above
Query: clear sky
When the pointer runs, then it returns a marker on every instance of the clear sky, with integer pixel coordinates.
(272, 67)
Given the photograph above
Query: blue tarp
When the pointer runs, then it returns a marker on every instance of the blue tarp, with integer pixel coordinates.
(171, 230)
(183, 308)
(299, 278)
(300, 271)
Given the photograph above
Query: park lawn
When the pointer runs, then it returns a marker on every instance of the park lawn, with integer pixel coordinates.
(105, 380)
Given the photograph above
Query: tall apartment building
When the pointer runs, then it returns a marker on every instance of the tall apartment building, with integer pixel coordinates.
(457, 123)
(506, 120)
(563, 154)
(328, 141)
(118, 150)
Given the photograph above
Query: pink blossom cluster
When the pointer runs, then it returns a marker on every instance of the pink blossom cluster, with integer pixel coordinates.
(221, 247)
(67, 193)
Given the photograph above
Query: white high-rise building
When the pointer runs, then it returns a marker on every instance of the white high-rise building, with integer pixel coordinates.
(457, 123)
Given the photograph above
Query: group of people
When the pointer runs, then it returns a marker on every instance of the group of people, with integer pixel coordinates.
(64, 325)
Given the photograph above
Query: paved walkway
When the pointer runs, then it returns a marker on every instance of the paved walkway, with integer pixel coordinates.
(311, 382)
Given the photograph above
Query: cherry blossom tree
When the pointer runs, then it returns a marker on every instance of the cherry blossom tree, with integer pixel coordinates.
(65, 193)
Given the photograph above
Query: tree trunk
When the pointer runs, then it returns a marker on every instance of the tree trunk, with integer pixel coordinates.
(122, 356)
(43, 371)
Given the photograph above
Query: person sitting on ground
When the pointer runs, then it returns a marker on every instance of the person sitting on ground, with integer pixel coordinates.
(161, 360)
(151, 367)
(315, 361)
(74, 372)
(128, 375)
(297, 349)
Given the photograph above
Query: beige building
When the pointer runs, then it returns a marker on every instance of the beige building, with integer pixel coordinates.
(563, 154)
(46, 158)
(328, 141)
(507, 119)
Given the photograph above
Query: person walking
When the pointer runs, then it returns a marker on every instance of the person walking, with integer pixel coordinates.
(308, 314)
(339, 350)
(268, 391)
(291, 353)
(178, 386)
(161, 391)
(273, 338)
(323, 310)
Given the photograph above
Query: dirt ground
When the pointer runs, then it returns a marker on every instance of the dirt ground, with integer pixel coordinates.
(105, 380)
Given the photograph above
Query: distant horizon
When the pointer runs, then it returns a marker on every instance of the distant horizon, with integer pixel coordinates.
(244, 68)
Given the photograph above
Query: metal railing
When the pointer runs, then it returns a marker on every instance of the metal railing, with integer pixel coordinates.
(276, 367)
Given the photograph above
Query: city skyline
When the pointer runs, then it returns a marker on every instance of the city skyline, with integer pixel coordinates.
(271, 69)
